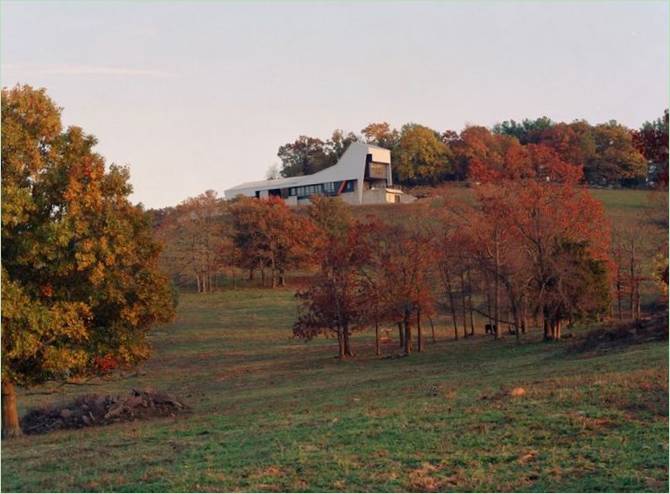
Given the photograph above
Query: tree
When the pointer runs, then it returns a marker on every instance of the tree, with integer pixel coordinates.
(652, 141)
(381, 134)
(273, 172)
(401, 264)
(334, 301)
(304, 156)
(540, 206)
(268, 235)
(573, 142)
(80, 280)
(616, 159)
(307, 155)
(337, 144)
(196, 236)
(526, 132)
(421, 156)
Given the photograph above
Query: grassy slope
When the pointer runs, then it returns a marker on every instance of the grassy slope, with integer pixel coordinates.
(272, 413)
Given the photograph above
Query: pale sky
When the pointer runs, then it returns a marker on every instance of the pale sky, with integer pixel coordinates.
(196, 96)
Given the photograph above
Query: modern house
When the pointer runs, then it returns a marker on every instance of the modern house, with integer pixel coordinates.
(361, 176)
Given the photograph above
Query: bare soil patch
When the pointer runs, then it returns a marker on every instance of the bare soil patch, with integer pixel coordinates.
(93, 410)
(625, 333)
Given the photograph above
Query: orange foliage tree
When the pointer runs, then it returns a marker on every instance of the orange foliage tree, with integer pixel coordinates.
(80, 279)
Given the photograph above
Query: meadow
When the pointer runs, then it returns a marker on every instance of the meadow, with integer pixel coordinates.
(272, 413)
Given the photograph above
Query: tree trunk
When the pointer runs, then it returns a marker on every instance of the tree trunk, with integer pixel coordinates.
(401, 335)
(197, 281)
(633, 283)
(408, 334)
(251, 274)
(432, 329)
(463, 308)
(282, 278)
(419, 336)
(489, 306)
(347, 342)
(470, 306)
(340, 343)
(546, 326)
(377, 346)
(10, 415)
(619, 294)
(496, 288)
(452, 304)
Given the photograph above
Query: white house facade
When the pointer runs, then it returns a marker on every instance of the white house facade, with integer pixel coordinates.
(361, 176)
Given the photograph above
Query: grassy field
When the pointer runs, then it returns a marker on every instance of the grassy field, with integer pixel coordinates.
(273, 413)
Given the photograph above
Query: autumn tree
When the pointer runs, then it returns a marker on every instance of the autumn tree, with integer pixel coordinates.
(268, 235)
(334, 301)
(652, 141)
(402, 261)
(196, 236)
(381, 134)
(573, 142)
(80, 280)
(544, 209)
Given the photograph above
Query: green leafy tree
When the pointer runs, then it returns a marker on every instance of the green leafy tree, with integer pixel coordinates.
(527, 132)
(304, 156)
(422, 157)
(80, 281)
(616, 159)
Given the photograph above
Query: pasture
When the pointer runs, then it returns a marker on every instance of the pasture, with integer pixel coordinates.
(271, 413)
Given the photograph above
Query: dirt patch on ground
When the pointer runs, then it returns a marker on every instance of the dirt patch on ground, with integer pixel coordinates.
(92, 410)
(624, 333)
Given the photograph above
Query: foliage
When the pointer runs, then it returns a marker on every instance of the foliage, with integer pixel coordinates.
(335, 299)
(307, 155)
(421, 157)
(652, 141)
(268, 235)
(527, 131)
(80, 279)
(616, 158)
(196, 235)
(381, 134)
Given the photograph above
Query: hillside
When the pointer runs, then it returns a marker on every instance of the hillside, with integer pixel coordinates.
(268, 412)
(272, 413)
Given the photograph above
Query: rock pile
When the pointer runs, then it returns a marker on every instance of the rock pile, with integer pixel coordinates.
(92, 410)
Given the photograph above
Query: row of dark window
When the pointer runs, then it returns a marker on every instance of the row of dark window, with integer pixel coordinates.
(328, 188)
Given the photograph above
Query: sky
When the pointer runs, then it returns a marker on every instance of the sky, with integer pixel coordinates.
(197, 96)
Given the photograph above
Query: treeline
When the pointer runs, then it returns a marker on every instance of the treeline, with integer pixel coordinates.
(534, 249)
(609, 153)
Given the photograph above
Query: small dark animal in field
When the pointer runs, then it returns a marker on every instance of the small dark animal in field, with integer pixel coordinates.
(490, 328)
(511, 330)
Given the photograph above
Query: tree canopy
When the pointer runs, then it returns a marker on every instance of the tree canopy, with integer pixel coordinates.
(80, 279)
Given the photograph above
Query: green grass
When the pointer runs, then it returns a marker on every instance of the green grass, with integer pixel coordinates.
(273, 413)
